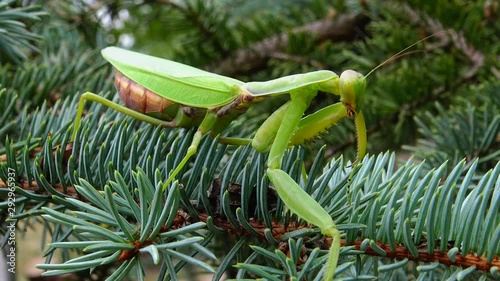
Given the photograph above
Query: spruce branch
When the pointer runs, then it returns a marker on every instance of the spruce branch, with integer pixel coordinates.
(360, 232)
(122, 240)
(443, 136)
(16, 38)
(278, 230)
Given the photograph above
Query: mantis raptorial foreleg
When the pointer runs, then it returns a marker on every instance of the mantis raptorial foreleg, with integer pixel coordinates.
(317, 123)
(265, 135)
(279, 133)
(302, 204)
(300, 100)
(309, 128)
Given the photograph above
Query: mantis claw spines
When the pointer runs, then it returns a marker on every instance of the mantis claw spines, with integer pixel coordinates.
(359, 122)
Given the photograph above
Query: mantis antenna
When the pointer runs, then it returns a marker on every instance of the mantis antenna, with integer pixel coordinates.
(400, 53)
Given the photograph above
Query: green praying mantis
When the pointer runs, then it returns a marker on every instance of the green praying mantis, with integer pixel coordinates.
(171, 94)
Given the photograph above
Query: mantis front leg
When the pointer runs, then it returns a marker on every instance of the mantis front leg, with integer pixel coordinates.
(294, 197)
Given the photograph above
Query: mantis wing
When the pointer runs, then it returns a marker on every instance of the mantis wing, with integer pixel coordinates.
(172, 80)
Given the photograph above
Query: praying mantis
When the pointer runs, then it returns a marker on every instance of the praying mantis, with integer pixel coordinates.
(171, 94)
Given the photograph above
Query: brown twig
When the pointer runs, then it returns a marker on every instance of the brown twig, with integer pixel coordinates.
(339, 28)
(400, 253)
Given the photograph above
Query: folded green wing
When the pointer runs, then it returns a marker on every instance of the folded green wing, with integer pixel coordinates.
(172, 80)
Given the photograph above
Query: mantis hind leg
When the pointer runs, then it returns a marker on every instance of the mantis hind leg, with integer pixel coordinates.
(125, 110)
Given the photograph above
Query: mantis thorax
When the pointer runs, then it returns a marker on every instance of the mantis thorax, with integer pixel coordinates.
(330, 86)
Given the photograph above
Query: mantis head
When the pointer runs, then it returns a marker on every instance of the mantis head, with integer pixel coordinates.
(352, 89)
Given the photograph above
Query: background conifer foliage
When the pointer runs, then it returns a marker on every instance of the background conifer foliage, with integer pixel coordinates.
(423, 205)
